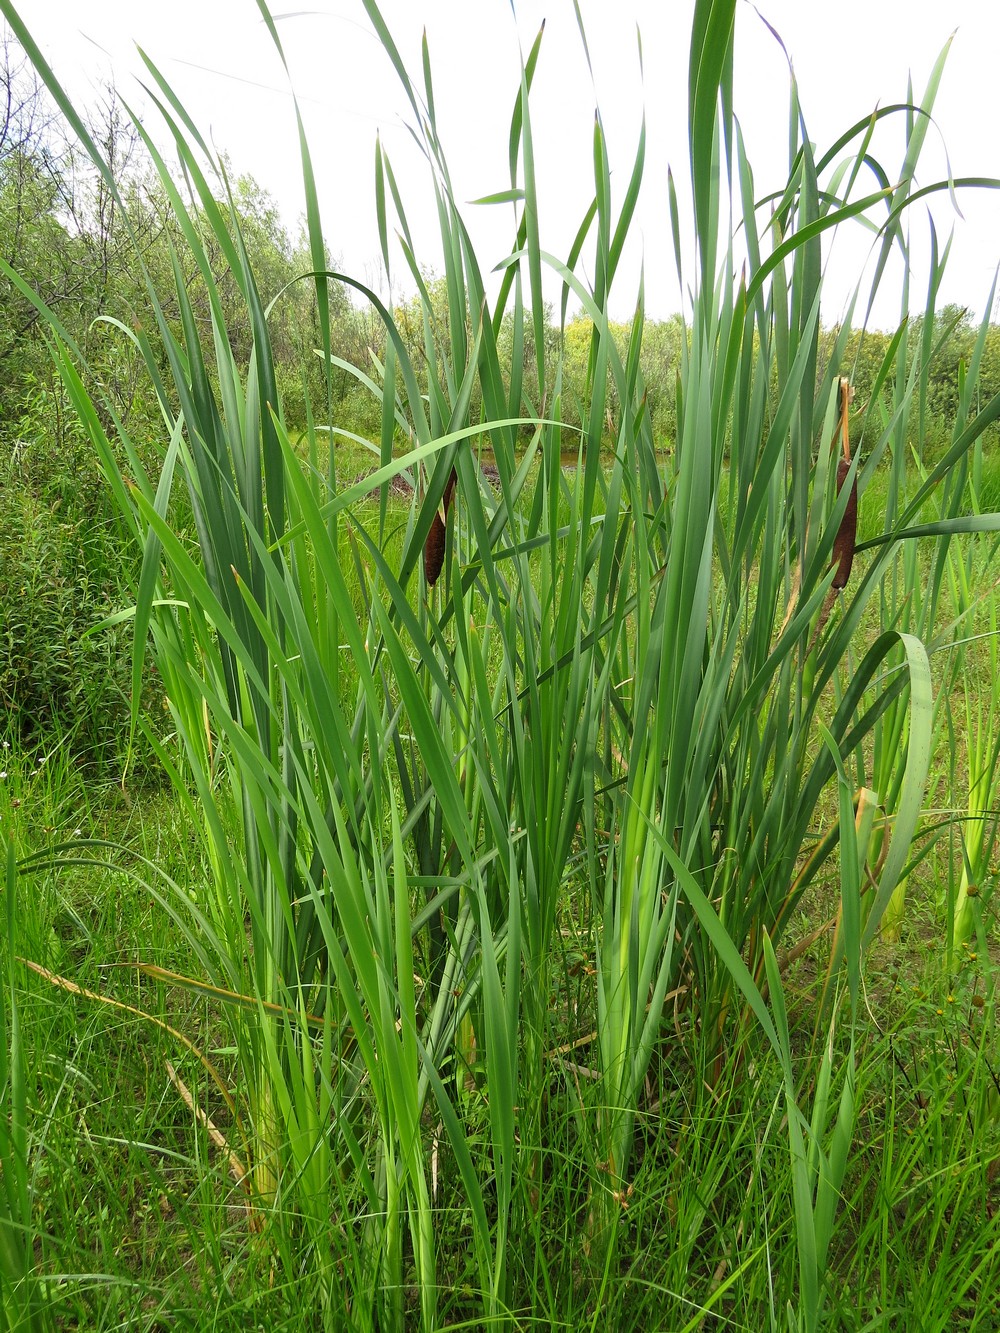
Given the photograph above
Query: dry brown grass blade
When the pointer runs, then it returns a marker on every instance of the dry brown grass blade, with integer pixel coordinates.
(236, 1168)
(227, 996)
(64, 983)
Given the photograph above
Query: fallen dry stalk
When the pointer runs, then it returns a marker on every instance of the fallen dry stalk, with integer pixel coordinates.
(236, 1168)
(64, 983)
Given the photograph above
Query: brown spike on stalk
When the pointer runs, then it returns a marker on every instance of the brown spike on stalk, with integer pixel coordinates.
(434, 551)
(843, 547)
(434, 545)
(847, 535)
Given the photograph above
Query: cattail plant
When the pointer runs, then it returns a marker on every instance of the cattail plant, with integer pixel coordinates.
(628, 694)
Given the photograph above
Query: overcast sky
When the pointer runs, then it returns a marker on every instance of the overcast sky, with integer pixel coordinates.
(847, 58)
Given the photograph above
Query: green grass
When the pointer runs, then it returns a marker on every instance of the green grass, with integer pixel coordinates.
(138, 1203)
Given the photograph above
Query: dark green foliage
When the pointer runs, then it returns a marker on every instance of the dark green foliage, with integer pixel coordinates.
(64, 566)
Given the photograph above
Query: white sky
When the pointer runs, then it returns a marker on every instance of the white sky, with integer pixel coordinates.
(848, 58)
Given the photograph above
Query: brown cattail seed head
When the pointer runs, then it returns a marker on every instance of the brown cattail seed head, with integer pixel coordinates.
(434, 551)
(434, 545)
(843, 547)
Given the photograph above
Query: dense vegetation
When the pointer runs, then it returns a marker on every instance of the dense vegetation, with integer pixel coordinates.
(65, 560)
(590, 930)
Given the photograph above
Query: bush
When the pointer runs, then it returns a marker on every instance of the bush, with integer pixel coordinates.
(64, 566)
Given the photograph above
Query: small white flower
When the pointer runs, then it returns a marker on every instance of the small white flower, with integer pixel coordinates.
(77, 832)
(3, 775)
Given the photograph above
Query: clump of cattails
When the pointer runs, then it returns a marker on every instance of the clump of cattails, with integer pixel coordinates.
(847, 535)
(434, 545)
